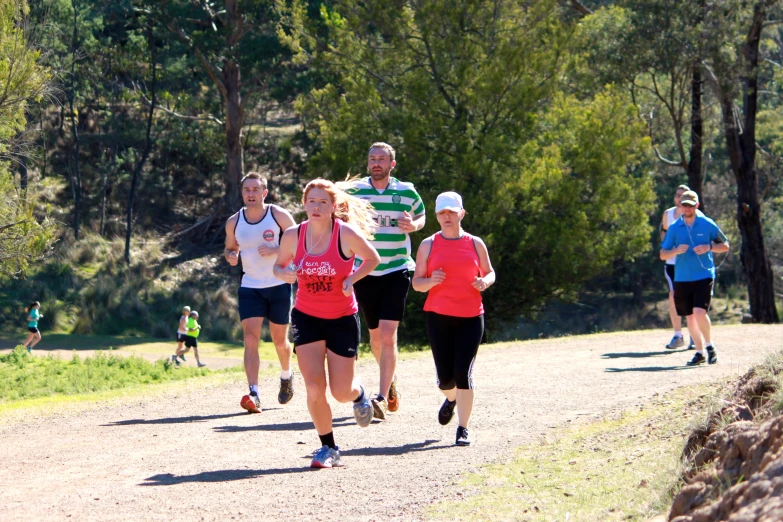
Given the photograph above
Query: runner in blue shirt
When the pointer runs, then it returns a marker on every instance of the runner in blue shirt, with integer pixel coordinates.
(692, 239)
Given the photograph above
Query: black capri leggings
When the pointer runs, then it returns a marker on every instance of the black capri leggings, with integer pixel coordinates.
(455, 342)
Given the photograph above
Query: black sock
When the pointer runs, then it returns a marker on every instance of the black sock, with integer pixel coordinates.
(328, 440)
(380, 398)
(360, 398)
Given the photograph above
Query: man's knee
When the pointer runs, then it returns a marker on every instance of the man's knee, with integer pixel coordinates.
(342, 392)
(387, 331)
(699, 312)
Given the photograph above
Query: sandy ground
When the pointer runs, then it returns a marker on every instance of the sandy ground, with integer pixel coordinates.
(195, 455)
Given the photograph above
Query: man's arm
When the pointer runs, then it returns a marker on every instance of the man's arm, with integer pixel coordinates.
(231, 252)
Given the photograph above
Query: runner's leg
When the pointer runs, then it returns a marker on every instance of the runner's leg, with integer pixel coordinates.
(311, 363)
(252, 330)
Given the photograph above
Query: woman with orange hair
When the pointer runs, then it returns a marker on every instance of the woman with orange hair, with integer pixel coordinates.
(319, 254)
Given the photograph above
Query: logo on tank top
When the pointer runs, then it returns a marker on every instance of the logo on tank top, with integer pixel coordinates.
(269, 235)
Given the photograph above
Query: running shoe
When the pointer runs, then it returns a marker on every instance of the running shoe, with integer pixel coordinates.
(692, 345)
(29, 350)
(286, 392)
(363, 412)
(379, 407)
(712, 357)
(698, 358)
(327, 457)
(463, 438)
(394, 397)
(446, 412)
(201, 364)
(251, 403)
(676, 342)
(181, 357)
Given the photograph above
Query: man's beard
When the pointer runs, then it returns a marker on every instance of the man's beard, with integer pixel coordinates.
(379, 175)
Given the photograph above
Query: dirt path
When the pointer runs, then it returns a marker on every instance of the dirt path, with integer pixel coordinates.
(195, 456)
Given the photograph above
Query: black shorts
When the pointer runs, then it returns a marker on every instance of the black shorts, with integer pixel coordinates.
(32, 329)
(383, 297)
(274, 303)
(342, 335)
(181, 337)
(692, 294)
(668, 272)
(191, 342)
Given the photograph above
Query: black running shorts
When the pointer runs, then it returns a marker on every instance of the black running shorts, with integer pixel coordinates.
(692, 294)
(32, 329)
(191, 342)
(383, 297)
(274, 303)
(181, 337)
(668, 272)
(342, 335)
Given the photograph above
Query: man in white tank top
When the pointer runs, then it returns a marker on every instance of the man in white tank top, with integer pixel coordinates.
(253, 236)
(670, 216)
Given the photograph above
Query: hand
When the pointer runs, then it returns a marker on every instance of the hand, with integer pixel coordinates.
(266, 251)
(289, 275)
(479, 284)
(681, 249)
(347, 287)
(438, 276)
(702, 249)
(233, 258)
(405, 223)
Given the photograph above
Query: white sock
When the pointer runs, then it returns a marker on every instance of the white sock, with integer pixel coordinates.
(286, 374)
(254, 388)
(678, 333)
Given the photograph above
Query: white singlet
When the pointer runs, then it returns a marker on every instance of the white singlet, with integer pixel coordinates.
(669, 222)
(257, 270)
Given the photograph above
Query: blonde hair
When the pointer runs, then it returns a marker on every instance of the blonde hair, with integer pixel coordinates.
(347, 208)
(186, 309)
(385, 146)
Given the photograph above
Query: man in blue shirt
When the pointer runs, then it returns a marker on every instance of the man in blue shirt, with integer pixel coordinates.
(692, 239)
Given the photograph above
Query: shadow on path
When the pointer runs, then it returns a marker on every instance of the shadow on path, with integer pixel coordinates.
(636, 355)
(174, 420)
(395, 450)
(287, 426)
(648, 369)
(223, 475)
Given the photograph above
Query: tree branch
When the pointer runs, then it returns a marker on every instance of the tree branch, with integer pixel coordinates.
(173, 113)
(579, 6)
(213, 71)
(668, 161)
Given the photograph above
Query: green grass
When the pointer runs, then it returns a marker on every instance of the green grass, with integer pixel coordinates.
(23, 376)
(616, 469)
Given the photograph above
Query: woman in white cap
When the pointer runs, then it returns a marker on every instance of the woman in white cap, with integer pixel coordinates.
(454, 267)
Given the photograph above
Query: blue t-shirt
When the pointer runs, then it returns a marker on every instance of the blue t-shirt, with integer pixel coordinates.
(35, 315)
(690, 266)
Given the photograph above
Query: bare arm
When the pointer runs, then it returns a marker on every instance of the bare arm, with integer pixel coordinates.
(422, 283)
(356, 244)
(488, 273)
(231, 252)
(285, 254)
(668, 254)
(409, 224)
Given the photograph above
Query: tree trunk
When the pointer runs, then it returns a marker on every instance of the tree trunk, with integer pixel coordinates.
(76, 177)
(742, 156)
(695, 178)
(147, 148)
(235, 165)
(23, 174)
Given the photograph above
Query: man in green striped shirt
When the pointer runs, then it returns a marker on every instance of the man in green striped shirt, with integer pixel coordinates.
(382, 294)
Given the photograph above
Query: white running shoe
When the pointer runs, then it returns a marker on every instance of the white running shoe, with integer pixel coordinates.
(327, 457)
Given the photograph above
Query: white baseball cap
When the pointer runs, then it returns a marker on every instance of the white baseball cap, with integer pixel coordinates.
(448, 201)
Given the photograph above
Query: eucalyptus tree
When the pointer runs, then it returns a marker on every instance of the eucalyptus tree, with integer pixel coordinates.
(471, 96)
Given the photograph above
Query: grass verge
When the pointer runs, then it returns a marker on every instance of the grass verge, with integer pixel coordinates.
(24, 377)
(616, 469)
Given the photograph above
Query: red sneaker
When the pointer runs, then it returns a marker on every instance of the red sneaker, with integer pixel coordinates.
(251, 403)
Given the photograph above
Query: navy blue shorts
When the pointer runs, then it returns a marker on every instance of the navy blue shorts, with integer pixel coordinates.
(181, 337)
(191, 342)
(274, 303)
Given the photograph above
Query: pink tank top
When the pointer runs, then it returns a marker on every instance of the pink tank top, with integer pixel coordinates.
(459, 260)
(320, 291)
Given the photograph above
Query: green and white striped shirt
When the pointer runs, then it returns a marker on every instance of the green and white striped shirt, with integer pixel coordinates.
(393, 245)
